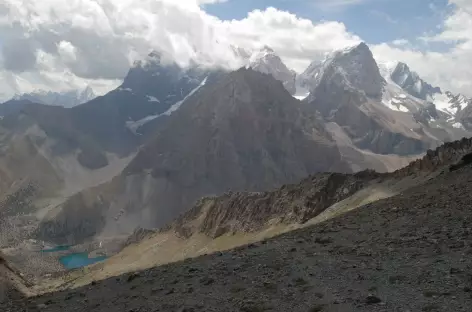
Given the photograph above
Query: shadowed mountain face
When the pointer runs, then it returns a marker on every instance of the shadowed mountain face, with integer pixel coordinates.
(243, 132)
(66, 99)
(94, 135)
(151, 88)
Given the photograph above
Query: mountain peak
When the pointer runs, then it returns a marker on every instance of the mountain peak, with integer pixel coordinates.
(154, 58)
(68, 98)
(358, 48)
(267, 61)
(411, 82)
(267, 49)
(353, 67)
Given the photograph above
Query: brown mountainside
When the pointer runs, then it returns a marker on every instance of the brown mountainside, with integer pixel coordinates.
(236, 212)
(243, 132)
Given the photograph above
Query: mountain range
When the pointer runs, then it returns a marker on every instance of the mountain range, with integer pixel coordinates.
(66, 99)
(143, 154)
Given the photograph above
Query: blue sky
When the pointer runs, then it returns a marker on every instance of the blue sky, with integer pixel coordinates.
(375, 21)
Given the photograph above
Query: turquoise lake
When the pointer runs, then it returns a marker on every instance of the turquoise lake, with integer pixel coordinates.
(74, 260)
(78, 260)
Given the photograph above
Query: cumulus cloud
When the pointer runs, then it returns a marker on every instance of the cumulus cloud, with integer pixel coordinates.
(297, 40)
(56, 44)
(97, 40)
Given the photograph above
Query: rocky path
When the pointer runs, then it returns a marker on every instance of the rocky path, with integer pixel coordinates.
(412, 252)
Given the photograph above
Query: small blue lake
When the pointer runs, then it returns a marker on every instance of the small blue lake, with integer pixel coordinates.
(78, 260)
(57, 248)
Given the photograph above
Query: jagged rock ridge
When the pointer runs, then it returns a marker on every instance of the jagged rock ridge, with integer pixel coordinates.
(412, 83)
(66, 99)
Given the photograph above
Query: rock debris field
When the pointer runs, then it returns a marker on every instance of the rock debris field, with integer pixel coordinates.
(411, 252)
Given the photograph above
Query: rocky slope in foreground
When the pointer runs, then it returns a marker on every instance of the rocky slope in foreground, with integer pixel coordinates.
(410, 252)
(239, 218)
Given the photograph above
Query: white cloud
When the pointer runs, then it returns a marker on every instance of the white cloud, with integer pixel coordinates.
(98, 39)
(57, 44)
(297, 40)
(400, 42)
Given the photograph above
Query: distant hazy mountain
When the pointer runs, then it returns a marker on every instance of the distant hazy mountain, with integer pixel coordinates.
(412, 83)
(453, 109)
(66, 99)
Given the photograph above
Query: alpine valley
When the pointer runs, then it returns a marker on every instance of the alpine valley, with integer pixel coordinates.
(179, 162)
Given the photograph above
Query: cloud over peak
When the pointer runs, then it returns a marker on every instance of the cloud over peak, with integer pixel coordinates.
(95, 41)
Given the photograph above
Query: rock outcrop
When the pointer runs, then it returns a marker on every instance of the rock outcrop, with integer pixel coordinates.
(236, 212)
(443, 156)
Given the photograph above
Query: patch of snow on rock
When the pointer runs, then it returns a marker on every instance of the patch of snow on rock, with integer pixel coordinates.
(125, 89)
(301, 93)
(458, 125)
(134, 125)
(152, 99)
(177, 105)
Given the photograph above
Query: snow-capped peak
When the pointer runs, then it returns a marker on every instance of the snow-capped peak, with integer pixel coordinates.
(267, 61)
(240, 53)
(85, 95)
(69, 98)
(450, 103)
(262, 54)
(354, 67)
(411, 82)
(386, 68)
